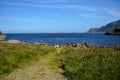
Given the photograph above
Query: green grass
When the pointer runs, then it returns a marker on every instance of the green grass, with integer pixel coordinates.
(91, 64)
(54, 63)
(19, 55)
(77, 63)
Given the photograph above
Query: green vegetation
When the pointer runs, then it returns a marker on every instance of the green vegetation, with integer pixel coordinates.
(19, 55)
(92, 64)
(77, 63)
(55, 61)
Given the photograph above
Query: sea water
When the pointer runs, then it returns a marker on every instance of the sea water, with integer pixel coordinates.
(97, 39)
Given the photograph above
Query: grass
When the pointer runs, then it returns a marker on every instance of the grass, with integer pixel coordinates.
(77, 63)
(91, 64)
(19, 55)
(55, 61)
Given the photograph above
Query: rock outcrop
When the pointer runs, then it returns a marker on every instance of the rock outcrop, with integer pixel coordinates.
(16, 42)
(2, 36)
(113, 32)
(80, 45)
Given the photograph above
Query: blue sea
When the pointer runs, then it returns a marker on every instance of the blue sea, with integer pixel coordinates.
(97, 39)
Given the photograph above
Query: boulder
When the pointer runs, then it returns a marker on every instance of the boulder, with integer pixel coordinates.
(16, 41)
(2, 36)
(83, 45)
(37, 43)
(56, 46)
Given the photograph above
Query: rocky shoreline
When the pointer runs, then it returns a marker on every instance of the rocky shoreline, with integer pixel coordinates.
(77, 45)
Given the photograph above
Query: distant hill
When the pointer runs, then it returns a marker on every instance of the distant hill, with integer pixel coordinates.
(93, 30)
(108, 27)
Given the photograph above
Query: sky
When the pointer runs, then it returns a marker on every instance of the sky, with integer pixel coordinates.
(52, 16)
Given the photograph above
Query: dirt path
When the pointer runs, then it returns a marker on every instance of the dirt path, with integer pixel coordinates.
(37, 71)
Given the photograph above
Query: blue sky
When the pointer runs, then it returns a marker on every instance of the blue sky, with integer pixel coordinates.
(41, 16)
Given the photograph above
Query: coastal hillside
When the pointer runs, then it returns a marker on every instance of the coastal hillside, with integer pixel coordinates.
(93, 30)
(108, 27)
(113, 32)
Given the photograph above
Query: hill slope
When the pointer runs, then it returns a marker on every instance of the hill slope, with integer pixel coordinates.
(108, 27)
(93, 30)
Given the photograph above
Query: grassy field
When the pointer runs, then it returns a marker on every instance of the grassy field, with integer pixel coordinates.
(91, 64)
(77, 63)
(19, 55)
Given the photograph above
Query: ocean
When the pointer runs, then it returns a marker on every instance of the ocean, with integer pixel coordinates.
(97, 39)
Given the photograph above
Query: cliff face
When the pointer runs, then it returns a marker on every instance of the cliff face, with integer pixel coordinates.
(2, 36)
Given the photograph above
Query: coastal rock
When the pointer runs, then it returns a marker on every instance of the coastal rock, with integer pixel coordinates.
(79, 45)
(113, 32)
(2, 36)
(83, 45)
(16, 42)
(37, 43)
(56, 46)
